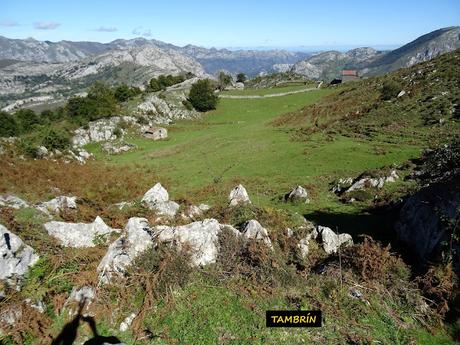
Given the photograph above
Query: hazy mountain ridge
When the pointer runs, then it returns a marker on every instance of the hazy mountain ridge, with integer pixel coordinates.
(327, 65)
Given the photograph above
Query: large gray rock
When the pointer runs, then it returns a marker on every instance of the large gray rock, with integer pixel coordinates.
(57, 204)
(194, 212)
(238, 195)
(424, 220)
(297, 193)
(253, 230)
(138, 237)
(200, 237)
(331, 241)
(12, 201)
(157, 199)
(15, 256)
(79, 235)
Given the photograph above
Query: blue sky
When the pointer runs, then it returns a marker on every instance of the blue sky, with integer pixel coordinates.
(233, 23)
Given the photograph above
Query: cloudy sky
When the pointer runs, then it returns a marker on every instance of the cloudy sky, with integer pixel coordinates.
(235, 23)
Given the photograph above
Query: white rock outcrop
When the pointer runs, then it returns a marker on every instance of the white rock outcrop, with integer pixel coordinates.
(253, 230)
(57, 204)
(12, 201)
(15, 256)
(157, 199)
(297, 193)
(138, 237)
(79, 235)
(200, 237)
(238, 195)
(328, 239)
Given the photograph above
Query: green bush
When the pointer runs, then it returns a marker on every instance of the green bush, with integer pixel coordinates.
(100, 102)
(28, 147)
(8, 125)
(202, 95)
(241, 78)
(27, 120)
(55, 139)
(390, 89)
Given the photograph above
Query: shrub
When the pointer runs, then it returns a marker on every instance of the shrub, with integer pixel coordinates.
(224, 80)
(390, 89)
(8, 125)
(55, 139)
(241, 77)
(27, 120)
(28, 147)
(202, 95)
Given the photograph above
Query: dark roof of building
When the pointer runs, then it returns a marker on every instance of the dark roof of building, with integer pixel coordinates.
(350, 72)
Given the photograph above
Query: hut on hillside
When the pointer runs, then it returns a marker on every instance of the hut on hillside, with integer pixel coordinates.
(156, 133)
(349, 75)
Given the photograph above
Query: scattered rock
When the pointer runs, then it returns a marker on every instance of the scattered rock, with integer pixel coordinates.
(331, 241)
(194, 212)
(116, 148)
(15, 257)
(124, 204)
(253, 230)
(157, 199)
(138, 237)
(127, 322)
(57, 204)
(298, 193)
(238, 195)
(79, 235)
(12, 201)
(37, 305)
(84, 293)
(42, 151)
(401, 93)
(201, 237)
(239, 85)
(364, 181)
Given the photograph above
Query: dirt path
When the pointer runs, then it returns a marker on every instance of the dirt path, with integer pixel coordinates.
(267, 96)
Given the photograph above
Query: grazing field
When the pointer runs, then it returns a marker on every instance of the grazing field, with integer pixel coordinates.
(237, 143)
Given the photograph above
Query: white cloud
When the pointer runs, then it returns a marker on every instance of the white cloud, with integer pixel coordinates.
(106, 29)
(8, 23)
(140, 31)
(46, 25)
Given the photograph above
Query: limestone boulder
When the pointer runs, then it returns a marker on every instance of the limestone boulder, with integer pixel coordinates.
(15, 257)
(79, 235)
(12, 201)
(157, 199)
(296, 194)
(253, 230)
(201, 238)
(238, 195)
(137, 238)
(57, 205)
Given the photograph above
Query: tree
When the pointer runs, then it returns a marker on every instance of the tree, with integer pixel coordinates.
(224, 80)
(122, 93)
(202, 95)
(26, 119)
(8, 125)
(241, 78)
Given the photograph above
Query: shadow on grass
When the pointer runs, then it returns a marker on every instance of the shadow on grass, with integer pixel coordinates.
(376, 222)
(69, 332)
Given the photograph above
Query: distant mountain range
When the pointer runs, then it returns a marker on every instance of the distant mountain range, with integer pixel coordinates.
(327, 65)
(31, 68)
(251, 62)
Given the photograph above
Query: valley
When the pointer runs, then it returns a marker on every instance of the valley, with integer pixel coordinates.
(157, 194)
